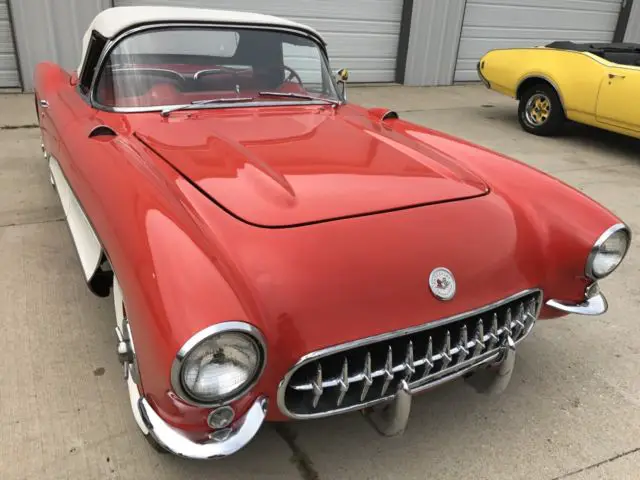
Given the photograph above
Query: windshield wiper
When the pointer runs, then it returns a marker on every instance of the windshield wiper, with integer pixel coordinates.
(298, 95)
(199, 103)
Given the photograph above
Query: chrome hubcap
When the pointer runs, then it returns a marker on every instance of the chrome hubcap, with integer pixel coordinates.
(538, 110)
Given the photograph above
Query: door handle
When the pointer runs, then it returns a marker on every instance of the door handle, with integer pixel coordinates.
(614, 75)
(44, 104)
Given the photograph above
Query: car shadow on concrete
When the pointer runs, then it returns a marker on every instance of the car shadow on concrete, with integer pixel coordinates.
(584, 135)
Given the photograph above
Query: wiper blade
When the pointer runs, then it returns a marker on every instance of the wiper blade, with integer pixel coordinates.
(199, 103)
(298, 95)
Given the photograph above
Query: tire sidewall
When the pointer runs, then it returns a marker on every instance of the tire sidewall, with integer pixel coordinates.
(556, 116)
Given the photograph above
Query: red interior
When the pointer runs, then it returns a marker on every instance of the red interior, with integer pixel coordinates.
(146, 89)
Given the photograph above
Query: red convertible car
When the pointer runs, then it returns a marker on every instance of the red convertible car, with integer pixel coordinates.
(275, 252)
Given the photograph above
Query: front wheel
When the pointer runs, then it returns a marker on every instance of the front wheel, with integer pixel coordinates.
(540, 111)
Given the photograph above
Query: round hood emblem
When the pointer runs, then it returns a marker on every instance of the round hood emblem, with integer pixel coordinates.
(442, 283)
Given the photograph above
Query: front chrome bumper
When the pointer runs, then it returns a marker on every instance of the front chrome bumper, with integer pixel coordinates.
(595, 303)
(174, 441)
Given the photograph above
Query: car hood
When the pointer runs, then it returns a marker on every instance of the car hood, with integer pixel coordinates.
(298, 165)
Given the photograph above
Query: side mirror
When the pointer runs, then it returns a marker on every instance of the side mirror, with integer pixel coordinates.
(73, 80)
(342, 76)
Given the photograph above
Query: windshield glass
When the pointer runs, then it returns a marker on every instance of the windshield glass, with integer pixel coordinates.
(182, 65)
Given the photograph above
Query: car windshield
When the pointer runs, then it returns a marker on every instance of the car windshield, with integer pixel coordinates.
(196, 66)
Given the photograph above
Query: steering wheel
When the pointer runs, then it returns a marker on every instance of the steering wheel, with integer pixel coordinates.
(292, 74)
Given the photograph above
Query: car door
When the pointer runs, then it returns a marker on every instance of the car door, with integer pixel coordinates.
(617, 100)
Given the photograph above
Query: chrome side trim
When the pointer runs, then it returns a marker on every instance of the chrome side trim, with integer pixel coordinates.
(84, 238)
(427, 382)
(175, 442)
(595, 303)
(202, 335)
(588, 270)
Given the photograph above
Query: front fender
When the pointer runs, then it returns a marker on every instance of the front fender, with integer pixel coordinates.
(566, 222)
(175, 279)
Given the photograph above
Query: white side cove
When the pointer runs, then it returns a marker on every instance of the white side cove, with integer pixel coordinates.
(86, 242)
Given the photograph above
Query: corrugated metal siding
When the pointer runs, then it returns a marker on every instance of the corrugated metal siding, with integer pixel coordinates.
(8, 67)
(490, 24)
(362, 35)
(51, 31)
(633, 26)
(433, 43)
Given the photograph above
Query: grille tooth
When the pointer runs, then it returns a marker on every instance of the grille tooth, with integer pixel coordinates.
(446, 351)
(520, 319)
(409, 367)
(343, 383)
(388, 371)
(479, 337)
(531, 311)
(508, 323)
(493, 333)
(355, 377)
(428, 358)
(463, 352)
(368, 380)
(316, 385)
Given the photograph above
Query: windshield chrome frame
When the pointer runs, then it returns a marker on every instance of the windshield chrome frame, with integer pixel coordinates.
(114, 42)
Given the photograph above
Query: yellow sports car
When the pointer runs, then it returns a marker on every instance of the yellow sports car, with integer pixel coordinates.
(595, 84)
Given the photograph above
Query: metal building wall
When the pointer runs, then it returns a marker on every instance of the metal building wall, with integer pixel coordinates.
(51, 30)
(433, 42)
(9, 76)
(632, 33)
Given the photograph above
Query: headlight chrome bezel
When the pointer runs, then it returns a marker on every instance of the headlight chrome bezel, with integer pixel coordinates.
(595, 249)
(201, 336)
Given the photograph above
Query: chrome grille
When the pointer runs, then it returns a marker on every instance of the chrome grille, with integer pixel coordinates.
(363, 373)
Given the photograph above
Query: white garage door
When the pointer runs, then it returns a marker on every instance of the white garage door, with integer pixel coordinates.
(362, 35)
(490, 24)
(8, 67)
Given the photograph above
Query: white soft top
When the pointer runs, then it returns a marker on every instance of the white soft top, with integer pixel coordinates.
(111, 22)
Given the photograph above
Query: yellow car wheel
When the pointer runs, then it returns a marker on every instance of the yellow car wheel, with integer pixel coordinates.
(540, 111)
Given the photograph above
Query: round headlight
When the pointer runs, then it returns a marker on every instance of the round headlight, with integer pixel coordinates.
(608, 252)
(218, 367)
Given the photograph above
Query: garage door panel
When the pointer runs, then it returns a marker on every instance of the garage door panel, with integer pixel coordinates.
(309, 9)
(366, 45)
(531, 35)
(496, 16)
(571, 5)
(476, 48)
(351, 26)
(8, 66)
(361, 35)
(493, 24)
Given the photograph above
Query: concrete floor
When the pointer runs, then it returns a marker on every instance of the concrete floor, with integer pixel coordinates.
(572, 410)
